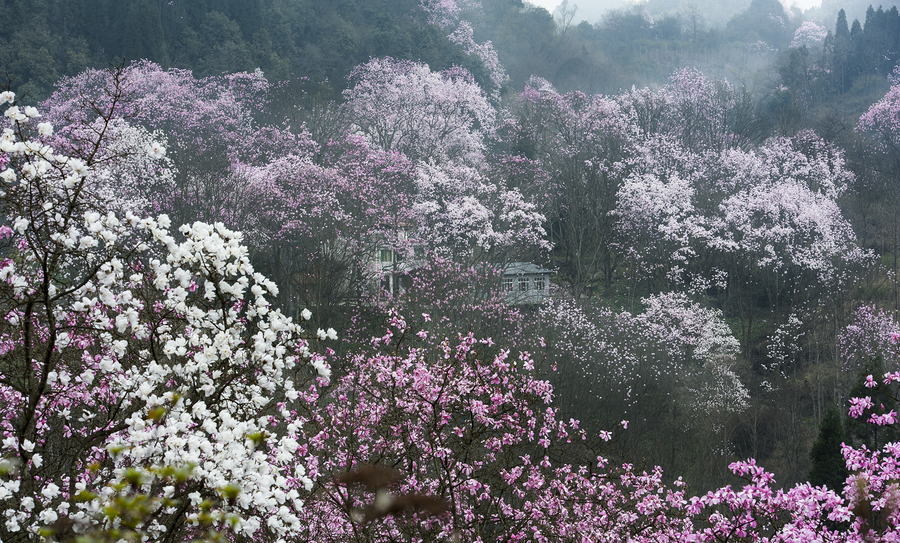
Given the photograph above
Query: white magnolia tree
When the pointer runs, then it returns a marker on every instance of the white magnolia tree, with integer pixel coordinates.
(129, 350)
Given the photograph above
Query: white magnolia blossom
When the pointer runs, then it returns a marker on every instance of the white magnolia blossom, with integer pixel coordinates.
(155, 150)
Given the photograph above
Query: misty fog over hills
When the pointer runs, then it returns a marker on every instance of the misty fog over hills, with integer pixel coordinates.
(716, 13)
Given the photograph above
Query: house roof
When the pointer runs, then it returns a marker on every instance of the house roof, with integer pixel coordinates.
(523, 268)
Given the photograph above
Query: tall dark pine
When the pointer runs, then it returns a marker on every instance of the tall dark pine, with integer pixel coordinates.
(828, 467)
(843, 52)
(841, 30)
(855, 30)
(870, 18)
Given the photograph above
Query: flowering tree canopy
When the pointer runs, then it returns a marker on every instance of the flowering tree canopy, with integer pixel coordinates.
(775, 207)
(809, 34)
(883, 119)
(428, 116)
(210, 126)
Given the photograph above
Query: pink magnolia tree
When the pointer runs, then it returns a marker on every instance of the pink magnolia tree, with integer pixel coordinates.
(809, 34)
(785, 218)
(319, 227)
(478, 431)
(699, 113)
(429, 439)
(882, 118)
(210, 126)
(434, 117)
(661, 214)
(870, 341)
(767, 218)
(440, 121)
(463, 213)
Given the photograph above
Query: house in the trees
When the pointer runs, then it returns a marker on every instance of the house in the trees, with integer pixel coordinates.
(388, 260)
(394, 266)
(525, 283)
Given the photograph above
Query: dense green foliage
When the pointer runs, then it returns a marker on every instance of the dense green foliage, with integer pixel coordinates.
(287, 39)
(293, 39)
(828, 466)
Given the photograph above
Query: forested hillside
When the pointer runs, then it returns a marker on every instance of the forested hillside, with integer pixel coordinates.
(447, 271)
(287, 39)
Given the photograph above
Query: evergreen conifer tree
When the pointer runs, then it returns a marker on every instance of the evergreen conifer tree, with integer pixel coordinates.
(828, 467)
(841, 29)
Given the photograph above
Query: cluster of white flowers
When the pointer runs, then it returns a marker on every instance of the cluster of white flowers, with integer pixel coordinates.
(212, 361)
(180, 334)
(684, 324)
(675, 318)
(135, 170)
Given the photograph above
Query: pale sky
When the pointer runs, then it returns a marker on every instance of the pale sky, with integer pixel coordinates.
(550, 5)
